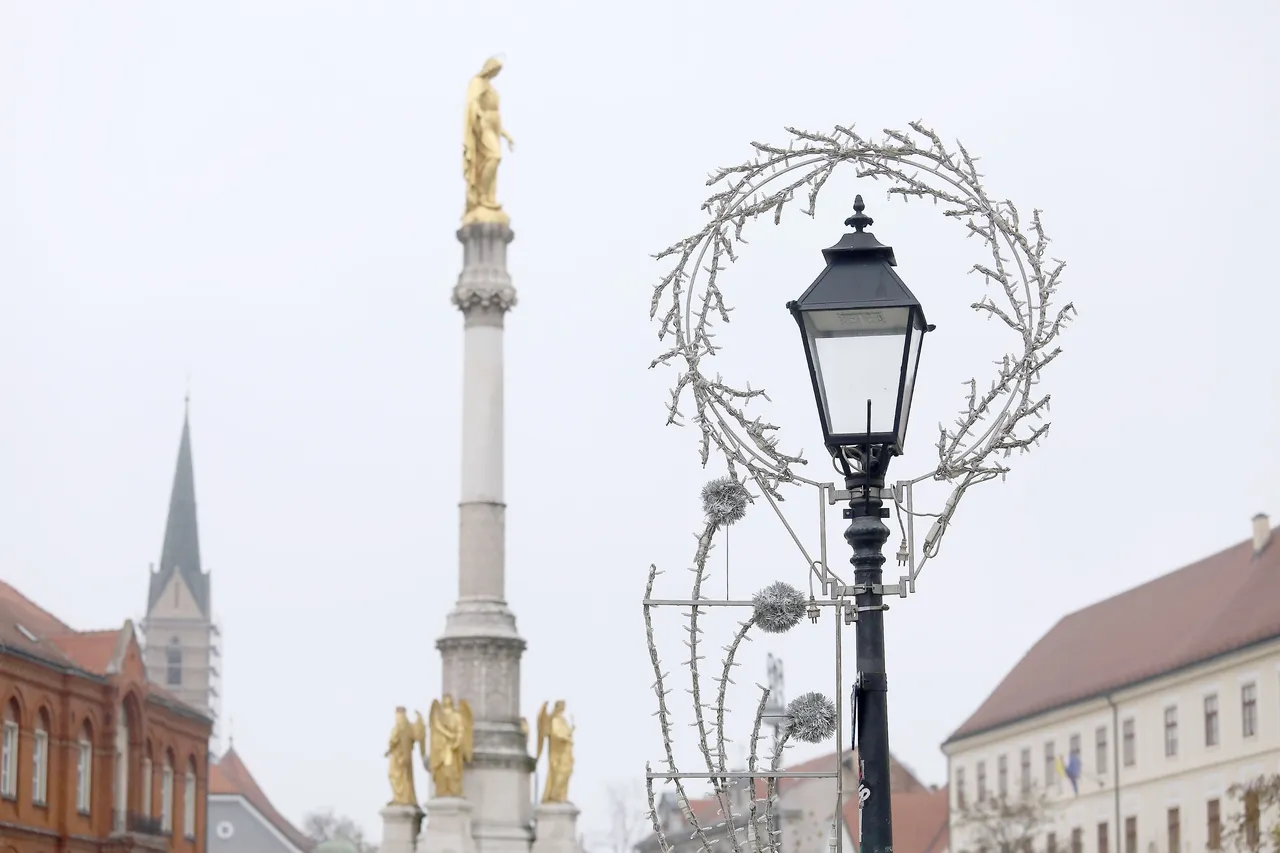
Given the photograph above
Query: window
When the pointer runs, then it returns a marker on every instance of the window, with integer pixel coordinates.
(40, 760)
(147, 772)
(1077, 840)
(1249, 710)
(166, 796)
(9, 753)
(1211, 720)
(173, 663)
(84, 770)
(1100, 749)
(1252, 834)
(189, 801)
(1103, 836)
(1171, 731)
(1131, 835)
(1175, 830)
(1074, 751)
(1214, 813)
(1002, 776)
(1026, 771)
(1051, 842)
(960, 798)
(1050, 765)
(982, 781)
(1130, 743)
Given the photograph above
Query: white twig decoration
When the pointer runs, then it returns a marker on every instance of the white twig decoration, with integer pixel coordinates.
(1004, 417)
(992, 424)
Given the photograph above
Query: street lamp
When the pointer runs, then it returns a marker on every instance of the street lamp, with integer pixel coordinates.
(862, 330)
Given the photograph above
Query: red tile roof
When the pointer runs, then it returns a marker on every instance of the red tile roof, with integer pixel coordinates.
(707, 809)
(919, 820)
(92, 651)
(229, 776)
(17, 612)
(1220, 604)
(88, 652)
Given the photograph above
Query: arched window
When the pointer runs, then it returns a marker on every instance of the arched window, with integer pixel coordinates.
(40, 760)
(147, 773)
(166, 794)
(189, 800)
(173, 662)
(9, 751)
(84, 769)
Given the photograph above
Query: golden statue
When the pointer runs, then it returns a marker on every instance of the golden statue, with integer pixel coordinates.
(400, 752)
(557, 732)
(452, 730)
(482, 148)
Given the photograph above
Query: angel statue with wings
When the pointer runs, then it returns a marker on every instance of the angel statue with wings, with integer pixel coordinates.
(557, 733)
(400, 752)
(452, 730)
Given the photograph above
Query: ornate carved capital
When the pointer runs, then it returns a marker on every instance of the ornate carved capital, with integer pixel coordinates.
(489, 647)
(480, 297)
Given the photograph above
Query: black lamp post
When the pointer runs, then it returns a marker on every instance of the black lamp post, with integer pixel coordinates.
(862, 330)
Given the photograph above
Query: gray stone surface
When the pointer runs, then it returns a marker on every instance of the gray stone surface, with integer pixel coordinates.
(399, 829)
(480, 648)
(557, 830)
(448, 828)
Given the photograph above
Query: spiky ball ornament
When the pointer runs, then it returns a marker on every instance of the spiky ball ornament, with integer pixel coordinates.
(812, 718)
(779, 607)
(724, 500)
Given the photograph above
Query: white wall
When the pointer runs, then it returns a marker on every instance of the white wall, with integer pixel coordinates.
(1154, 783)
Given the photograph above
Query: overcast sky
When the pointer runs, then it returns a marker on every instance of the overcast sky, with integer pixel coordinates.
(262, 197)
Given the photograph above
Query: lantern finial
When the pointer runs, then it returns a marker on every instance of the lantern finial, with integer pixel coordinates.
(859, 220)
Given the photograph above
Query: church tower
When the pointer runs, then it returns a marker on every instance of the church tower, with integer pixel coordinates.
(181, 653)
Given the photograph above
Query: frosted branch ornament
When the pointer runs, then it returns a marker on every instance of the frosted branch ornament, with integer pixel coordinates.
(995, 420)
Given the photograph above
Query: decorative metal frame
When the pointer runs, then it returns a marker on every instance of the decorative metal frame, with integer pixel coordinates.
(916, 165)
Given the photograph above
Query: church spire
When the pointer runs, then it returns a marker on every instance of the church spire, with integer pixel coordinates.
(181, 551)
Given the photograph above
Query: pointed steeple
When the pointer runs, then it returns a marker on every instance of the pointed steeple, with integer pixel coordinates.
(181, 551)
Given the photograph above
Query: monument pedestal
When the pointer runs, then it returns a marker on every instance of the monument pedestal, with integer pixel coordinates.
(448, 827)
(557, 830)
(400, 825)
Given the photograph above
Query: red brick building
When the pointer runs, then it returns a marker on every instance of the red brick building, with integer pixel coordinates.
(93, 757)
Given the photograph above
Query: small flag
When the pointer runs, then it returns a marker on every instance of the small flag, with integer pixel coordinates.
(1073, 772)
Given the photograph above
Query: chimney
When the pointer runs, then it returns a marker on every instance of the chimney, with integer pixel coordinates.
(1261, 533)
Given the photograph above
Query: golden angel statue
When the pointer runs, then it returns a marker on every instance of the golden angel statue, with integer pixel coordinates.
(557, 733)
(400, 752)
(451, 743)
(482, 148)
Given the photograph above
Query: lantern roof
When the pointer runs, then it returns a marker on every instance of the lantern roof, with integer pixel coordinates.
(859, 272)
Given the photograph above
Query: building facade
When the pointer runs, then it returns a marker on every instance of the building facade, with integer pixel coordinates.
(181, 649)
(1156, 701)
(93, 757)
(805, 812)
(242, 819)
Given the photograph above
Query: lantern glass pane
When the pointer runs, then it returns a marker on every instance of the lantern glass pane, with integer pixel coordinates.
(909, 380)
(857, 356)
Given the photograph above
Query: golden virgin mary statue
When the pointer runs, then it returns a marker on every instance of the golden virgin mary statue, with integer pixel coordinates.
(482, 137)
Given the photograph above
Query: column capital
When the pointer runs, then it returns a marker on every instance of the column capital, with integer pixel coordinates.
(484, 287)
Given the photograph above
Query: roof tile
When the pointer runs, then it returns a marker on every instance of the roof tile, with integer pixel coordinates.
(1222, 603)
(231, 777)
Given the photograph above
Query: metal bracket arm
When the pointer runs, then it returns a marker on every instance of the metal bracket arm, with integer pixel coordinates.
(898, 589)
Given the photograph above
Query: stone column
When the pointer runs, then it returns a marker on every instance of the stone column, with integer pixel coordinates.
(480, 647)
